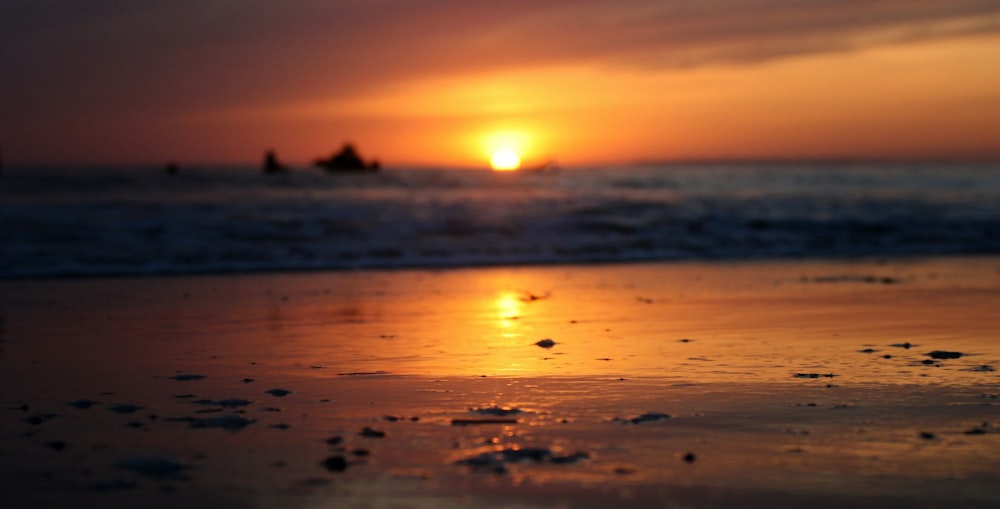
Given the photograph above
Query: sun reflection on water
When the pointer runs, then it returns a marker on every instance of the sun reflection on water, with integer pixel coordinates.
(509, 312)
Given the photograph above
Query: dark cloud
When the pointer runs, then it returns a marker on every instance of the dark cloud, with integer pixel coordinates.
(62, 58)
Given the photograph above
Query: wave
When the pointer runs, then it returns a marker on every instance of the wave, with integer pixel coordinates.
(127, 222)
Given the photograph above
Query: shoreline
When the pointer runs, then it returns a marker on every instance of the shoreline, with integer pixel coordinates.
(845, 259)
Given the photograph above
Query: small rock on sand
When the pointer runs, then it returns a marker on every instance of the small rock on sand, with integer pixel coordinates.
(82, 404)
(226, 403)
(156, 467)
(40, 418)
(226, 422)
(372, 433)
(545, 343)
(497, 461)
(335, 463)
(497, 411)
(280, 393)
(982, 429)
(942, 354)
(187, 377)
(644, 418)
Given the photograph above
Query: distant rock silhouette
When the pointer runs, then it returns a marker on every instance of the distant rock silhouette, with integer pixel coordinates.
(271, 163)
(347, 159)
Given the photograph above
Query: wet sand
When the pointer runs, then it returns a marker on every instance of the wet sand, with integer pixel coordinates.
(770, 384)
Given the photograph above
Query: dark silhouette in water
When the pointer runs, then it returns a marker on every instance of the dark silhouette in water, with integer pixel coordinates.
(546, 167)
(347, 159)
(171, 168)
(271, 163)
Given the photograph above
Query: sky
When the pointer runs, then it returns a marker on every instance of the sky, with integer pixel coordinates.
(449, 82)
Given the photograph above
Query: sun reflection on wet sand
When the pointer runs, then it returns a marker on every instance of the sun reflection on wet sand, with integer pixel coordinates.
(753, 323)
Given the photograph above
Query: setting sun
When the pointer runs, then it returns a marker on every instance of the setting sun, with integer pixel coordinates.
(505, 160)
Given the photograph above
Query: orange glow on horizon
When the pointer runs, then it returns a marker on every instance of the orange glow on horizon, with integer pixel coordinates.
(890, 102)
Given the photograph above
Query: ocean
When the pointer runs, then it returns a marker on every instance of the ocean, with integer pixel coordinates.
(114, 221)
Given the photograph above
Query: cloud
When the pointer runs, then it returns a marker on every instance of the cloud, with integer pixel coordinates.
(706, 32)
(103, 56)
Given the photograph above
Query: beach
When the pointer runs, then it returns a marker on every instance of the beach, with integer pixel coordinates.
(500, 255)
(777, 383)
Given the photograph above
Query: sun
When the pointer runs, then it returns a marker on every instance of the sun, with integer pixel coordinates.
(505, 159)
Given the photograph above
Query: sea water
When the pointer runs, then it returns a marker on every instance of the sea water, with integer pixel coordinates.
(79, 221)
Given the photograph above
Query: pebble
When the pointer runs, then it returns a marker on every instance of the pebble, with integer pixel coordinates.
(40, 418)
(644, 418)
(187, 378)
(226, 422)
(335, 463)
(497, 411)
(227, 403)
(982, 429)
(125, 408)
(942, 354)
(497, 461)
(546, 343)
(57, 445)
(372, 433)
(280, 393)
(82, 404)
(156, 467)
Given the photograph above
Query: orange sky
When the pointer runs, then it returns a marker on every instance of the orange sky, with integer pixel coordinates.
(446, 82)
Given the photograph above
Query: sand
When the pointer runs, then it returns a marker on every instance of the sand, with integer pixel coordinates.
(764, 384)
